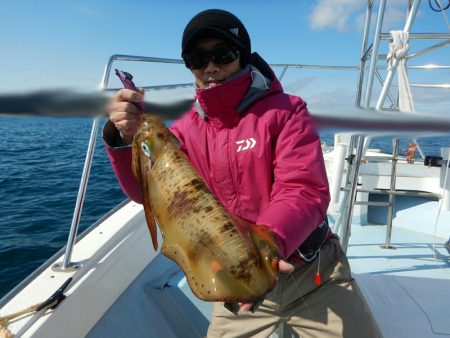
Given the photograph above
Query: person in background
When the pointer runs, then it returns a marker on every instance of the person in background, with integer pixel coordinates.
(258, 151)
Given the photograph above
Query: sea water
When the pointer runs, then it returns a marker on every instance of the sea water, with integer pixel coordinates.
(40, 170)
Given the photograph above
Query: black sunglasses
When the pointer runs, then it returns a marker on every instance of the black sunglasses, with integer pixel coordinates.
(220, 55)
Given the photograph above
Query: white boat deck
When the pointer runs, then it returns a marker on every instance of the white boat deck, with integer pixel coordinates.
(404, 286)
(156, 304)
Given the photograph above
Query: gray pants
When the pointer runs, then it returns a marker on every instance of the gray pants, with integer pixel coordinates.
(335, 308)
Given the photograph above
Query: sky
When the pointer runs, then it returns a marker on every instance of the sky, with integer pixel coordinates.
(50, 44)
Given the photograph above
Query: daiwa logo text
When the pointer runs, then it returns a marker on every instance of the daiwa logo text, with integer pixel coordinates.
(246, 144)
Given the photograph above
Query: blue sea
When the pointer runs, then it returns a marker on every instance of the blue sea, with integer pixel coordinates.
(40, 171)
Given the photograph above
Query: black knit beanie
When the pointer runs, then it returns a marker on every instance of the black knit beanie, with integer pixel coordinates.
(217, 23)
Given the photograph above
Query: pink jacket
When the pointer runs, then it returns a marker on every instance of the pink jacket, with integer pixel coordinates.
(258, 151)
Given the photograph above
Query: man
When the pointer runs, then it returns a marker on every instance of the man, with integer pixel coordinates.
(259, 153)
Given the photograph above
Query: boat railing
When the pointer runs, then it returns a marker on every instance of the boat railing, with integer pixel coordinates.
(67, 264)
(104, 86)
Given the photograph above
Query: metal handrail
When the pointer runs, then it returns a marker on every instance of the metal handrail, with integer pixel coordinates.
(304, 66)
(353, 183)
(363, 54)
(419, 36)
(426, 85)
(391, 203)
(429, 49)
(373, 58)
(399, 192)
(67, 264)
(158, 87)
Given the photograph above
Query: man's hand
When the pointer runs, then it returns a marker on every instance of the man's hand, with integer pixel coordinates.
(284, 267)
(125, 115)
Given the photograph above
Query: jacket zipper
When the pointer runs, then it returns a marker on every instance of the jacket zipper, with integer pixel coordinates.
(233, 177)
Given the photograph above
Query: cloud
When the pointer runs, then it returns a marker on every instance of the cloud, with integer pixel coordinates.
(343, 15)
(334, 14)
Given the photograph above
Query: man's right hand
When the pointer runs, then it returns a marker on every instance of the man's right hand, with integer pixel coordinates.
(124, 113)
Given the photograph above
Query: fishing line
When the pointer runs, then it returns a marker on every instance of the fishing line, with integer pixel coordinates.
(441, 266)
(301, 295)
(419, 305)
(445, 269)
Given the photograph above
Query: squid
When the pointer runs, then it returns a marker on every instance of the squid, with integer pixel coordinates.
(224, 258)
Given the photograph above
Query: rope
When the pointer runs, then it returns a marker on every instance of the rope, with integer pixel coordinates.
(398, 49)
(5, 333)
(4, 321)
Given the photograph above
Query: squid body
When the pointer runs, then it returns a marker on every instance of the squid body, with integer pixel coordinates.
(224, 258)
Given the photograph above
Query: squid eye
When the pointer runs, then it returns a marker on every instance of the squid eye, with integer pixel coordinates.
(145, 148)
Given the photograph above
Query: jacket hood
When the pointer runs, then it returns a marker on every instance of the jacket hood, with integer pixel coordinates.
(224, 103)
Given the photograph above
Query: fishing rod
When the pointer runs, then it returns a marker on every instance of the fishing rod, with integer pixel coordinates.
(68, 103)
